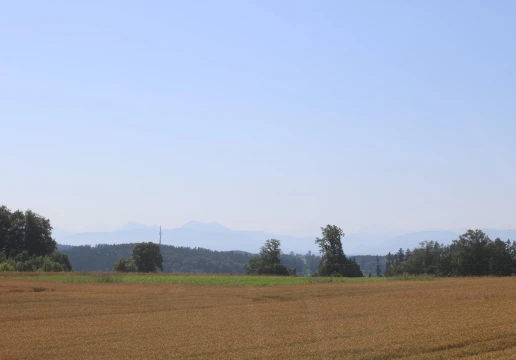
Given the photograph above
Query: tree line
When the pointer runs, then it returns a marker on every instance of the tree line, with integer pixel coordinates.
(473, 254)
(333, 261)
(178, 259)
(26, 243)
(146, 257)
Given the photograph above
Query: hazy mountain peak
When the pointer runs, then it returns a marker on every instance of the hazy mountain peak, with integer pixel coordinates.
(208, 227)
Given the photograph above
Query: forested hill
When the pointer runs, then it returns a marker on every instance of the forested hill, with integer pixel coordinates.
(197, 260)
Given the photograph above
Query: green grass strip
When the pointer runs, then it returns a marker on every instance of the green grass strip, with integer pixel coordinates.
(221, 280)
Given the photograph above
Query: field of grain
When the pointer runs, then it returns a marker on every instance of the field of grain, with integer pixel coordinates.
(442, 319)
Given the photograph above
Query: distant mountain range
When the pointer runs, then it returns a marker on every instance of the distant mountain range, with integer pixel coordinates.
(218, 237)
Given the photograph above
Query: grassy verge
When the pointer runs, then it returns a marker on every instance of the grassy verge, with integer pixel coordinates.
(202, 279)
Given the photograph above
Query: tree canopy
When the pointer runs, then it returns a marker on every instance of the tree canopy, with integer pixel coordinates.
(125, 265)
(333, 261)
(147, 257)
(268, 262)
(26, 243)
(473, 254)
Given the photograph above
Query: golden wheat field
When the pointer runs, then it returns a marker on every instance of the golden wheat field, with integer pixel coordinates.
(441, 319)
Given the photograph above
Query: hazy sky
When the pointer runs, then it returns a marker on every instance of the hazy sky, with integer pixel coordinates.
(273, 115)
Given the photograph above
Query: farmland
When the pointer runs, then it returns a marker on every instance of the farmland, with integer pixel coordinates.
(88, 316)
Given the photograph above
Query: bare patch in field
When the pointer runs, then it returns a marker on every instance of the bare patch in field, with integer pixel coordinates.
(40, 289)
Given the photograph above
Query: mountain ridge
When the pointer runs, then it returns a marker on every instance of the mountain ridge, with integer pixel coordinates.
(215, 236)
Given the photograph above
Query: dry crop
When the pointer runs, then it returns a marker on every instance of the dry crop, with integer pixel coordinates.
(443, 319)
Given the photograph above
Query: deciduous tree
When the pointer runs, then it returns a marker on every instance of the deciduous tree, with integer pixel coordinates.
(38, 235)
(333, 261)
(268, 262)
(147, 257)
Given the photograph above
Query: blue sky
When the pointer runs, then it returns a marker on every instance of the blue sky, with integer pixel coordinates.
(273, 115)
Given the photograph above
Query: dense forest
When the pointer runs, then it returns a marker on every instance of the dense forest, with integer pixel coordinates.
(473, 254)
(198, 260)
(26, 243)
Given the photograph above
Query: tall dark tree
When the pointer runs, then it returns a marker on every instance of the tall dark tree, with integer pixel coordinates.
(147, 257)
(388, 262)
(378, 271)
(271, 251)
(500, 261)
(38, 235)
(432, 253)
(407, 254)
(401, 255)
(5, 225)
(473, 257)
(15, 240)
(333, 261)
(268, 262)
